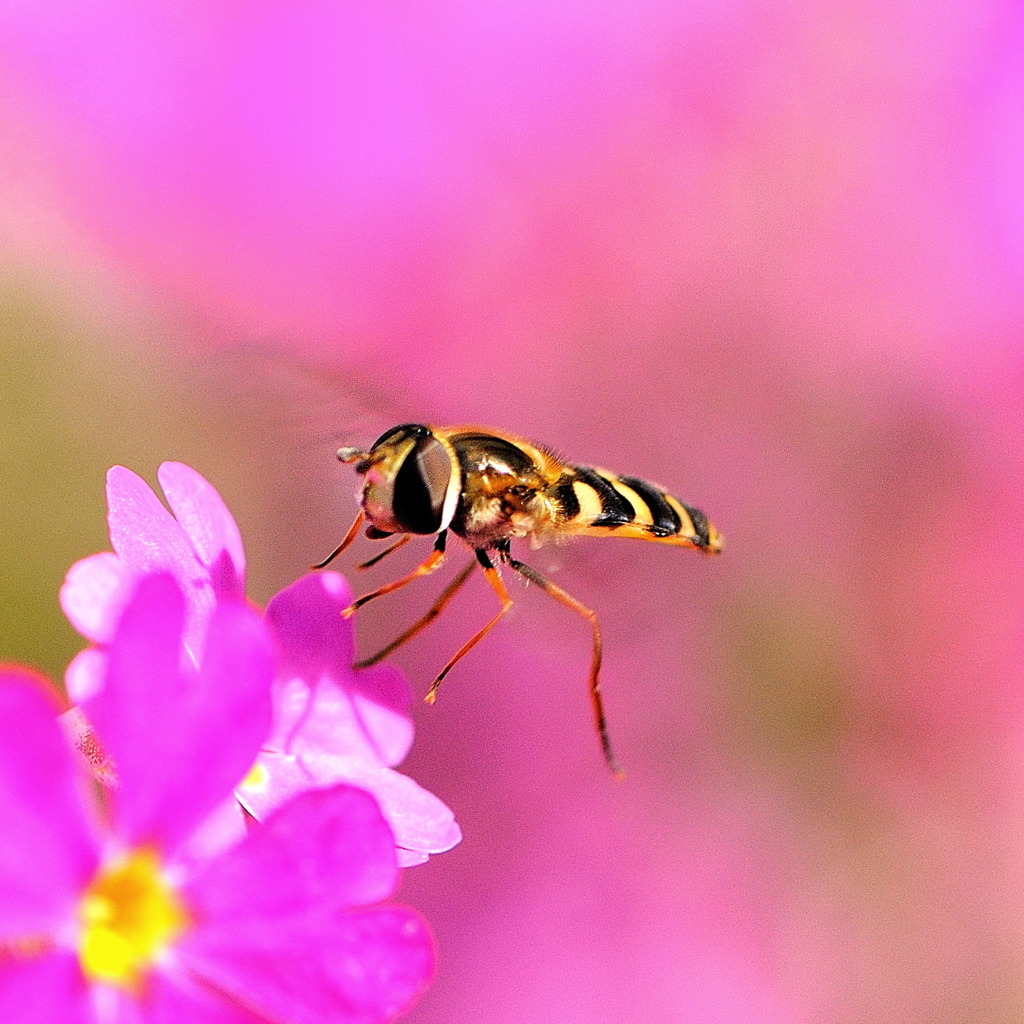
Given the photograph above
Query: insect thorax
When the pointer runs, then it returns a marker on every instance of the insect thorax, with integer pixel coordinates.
(502, 491)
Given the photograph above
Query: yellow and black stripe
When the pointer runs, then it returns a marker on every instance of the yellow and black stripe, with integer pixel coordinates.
(489, 488)
(598, 503)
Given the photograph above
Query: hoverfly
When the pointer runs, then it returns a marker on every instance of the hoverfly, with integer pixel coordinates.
(489, 488)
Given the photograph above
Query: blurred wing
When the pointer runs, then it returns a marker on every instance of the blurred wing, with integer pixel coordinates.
(300, 402)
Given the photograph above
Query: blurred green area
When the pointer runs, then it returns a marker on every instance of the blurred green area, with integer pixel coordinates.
(77, 394)
(89, 379)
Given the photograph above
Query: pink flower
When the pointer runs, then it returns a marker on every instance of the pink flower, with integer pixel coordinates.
(199, 545)
(331, 724)
(100, 917)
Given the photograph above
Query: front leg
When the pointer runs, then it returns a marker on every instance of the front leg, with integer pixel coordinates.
(506, 602)
(429, 564)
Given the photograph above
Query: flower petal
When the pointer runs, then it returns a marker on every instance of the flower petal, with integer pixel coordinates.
(176, 997)
(356, 967)
(44, 988)
(337, 835)
(209, 525)
(422, 824)
(333, 724)
(150, 539)
(383, 700)
(94, 594)
(83, 678)
(318, 648)
(223, 828)
(411, 858)
(180, 740)
(322, 718)
(315, 639)
(47, 855)
(285, 940)
(143, 532)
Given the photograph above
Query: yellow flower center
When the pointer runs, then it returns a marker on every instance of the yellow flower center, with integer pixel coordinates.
(256, 779)
(129, 915)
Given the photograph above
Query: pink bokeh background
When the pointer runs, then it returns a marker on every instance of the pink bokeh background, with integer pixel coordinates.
(769, 254)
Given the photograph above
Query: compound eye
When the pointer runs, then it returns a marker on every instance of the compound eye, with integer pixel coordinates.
(421, 486)
(402, 432)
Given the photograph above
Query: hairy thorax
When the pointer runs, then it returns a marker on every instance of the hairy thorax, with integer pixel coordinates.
(490, 513)
(502, 491)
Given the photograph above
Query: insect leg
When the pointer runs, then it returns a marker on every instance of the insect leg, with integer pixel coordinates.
(506, 602)
(595, 665)
(427, 566)
(380, 556)
(435, 609)
(349, 537)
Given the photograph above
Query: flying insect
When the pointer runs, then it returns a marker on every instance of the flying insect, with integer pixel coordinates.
(490, 488)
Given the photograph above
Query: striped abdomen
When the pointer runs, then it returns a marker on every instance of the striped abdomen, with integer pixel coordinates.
(599, 503)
